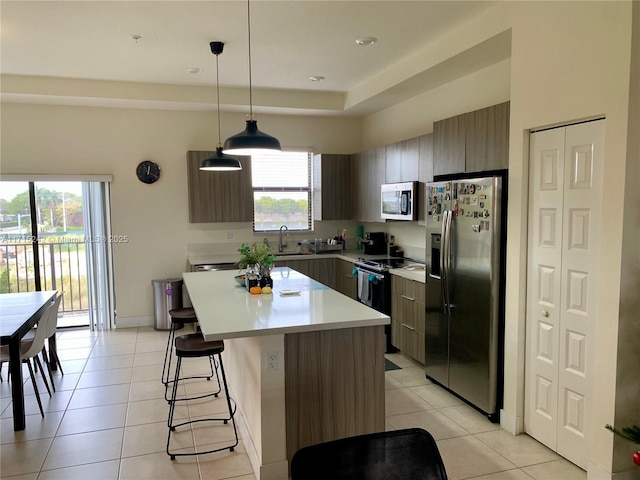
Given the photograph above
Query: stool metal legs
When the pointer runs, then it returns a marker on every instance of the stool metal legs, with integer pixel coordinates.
(172, 405)
(166, 368)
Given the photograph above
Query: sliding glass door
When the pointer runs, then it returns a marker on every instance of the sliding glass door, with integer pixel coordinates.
(47, 243)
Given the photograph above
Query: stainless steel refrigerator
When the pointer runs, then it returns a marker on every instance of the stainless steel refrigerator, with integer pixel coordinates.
(465, 289)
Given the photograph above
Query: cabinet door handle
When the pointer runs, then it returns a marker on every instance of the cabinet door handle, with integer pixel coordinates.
(349, 276)
(407, 326)
(411, 299)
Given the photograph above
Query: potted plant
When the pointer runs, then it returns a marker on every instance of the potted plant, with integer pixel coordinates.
(257, 259)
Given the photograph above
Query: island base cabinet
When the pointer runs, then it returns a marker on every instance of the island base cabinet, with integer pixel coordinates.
(334, 385)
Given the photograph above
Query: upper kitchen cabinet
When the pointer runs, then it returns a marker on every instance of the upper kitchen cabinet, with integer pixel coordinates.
(332, 187)
(218, 196)
(487, 138)
(402, 161)
(425, 170)
(449, 148)
(369, 170)
(473, 142)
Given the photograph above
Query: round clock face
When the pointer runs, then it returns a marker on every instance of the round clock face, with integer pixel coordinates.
(148, 172)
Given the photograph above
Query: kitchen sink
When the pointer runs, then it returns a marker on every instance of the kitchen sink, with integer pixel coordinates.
(287, 254)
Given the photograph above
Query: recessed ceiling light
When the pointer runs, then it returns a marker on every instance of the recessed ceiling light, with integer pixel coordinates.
(194, 70)
(366, 40)
(316, 78)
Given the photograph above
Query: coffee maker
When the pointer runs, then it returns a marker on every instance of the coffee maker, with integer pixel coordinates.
(375, 243)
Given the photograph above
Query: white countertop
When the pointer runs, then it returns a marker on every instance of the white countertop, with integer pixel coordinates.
(226, 310)
(417, 275)
(350, 256)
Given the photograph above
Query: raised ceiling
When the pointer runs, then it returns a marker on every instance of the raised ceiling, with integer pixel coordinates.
(84, 52)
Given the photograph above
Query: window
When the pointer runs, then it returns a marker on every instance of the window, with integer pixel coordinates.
(281, 191)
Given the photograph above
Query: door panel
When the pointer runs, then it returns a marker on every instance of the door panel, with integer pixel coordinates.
(436, 334)
(565, 198)
(543, 289)
(436, 321)
(584, 153)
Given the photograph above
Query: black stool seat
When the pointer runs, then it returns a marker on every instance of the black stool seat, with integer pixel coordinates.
(193, 345)
(183, 315)
(410, 454)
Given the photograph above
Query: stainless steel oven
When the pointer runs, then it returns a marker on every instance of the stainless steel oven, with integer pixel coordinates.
(374, 290)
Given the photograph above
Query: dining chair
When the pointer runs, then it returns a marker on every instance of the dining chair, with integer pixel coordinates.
(30, 349)
(51, 359)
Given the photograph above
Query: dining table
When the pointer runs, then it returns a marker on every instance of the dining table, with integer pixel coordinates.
(19, 312)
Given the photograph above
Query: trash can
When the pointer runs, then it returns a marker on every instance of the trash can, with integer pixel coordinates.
(167, 295)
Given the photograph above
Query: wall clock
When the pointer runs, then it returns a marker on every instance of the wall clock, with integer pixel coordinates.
(148, 172)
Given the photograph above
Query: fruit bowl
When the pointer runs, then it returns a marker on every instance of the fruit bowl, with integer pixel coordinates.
(240, 280)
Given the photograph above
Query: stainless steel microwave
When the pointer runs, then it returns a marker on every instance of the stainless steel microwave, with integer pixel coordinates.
(397, 201)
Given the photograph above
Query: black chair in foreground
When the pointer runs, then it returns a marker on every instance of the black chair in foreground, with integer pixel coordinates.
(410, 454)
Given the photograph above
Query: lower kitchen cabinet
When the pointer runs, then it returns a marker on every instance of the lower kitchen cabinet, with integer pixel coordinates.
(408, 317)
(320, 269)
(345, 280)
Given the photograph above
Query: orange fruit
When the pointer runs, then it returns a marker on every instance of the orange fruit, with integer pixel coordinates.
(255, 290)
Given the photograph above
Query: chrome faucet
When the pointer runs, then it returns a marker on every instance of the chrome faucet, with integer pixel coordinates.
(282, 245)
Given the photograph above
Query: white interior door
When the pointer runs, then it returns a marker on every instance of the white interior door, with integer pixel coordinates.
(565, 209)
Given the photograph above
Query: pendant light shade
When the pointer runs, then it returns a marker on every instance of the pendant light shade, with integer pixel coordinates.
(219, 162)
(251, 140)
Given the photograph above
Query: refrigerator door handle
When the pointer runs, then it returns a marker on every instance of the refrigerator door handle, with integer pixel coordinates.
(447, 260)
(443, 271)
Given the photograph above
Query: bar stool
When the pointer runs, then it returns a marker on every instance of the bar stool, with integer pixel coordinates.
(180, 317)
(194, 346)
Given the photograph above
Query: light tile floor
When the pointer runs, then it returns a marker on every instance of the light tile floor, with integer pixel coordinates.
(107, 421)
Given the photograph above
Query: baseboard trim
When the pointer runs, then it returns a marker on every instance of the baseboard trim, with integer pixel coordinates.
(511, 423)
(130, 322)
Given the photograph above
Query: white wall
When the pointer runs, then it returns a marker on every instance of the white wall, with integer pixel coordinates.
(627, 378)
(415, 117)
(48, 139)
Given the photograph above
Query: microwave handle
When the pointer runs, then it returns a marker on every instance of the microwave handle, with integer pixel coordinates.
(405, 201)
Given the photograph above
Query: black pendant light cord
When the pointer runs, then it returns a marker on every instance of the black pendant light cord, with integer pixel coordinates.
(249, 37)
(218, 98)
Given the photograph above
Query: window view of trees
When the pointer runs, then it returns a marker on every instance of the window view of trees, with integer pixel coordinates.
(281, 190)
(56, 212)
(60, 234)
(271, 210)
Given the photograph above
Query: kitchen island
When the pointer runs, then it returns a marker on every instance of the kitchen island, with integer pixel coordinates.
(304, 368)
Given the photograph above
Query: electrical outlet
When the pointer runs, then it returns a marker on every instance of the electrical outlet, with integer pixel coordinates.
(231, 235)
(273, 361)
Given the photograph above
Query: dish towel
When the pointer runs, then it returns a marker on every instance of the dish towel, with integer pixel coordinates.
(368, 299)
(363, 287)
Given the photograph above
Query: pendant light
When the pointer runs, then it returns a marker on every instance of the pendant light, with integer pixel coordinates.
(220, 161)
(251, 140)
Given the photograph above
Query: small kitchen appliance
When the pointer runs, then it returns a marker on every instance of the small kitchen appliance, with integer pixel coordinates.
(375, 243)
(397, 201)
